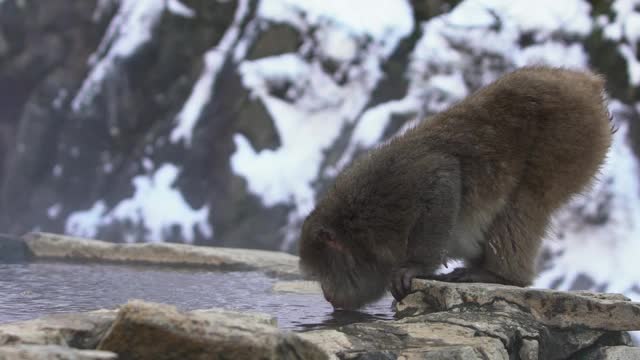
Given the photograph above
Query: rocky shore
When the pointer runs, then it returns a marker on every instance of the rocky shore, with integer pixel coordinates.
(437, 321)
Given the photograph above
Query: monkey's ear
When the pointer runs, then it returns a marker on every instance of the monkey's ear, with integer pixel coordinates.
(327, 238)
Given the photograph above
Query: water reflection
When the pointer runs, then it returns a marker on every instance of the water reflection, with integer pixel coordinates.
(345, 317)
(30, 290)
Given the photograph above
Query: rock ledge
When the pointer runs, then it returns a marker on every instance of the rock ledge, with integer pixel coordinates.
(52, 246)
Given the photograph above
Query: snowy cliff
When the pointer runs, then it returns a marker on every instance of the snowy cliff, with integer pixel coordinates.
(220, 122)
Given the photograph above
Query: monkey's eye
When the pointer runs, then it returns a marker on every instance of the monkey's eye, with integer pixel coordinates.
(323, 235)
(330, 241)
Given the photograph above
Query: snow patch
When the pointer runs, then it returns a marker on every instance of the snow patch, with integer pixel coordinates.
(316, 108)
(178, 8)
(380, 19)
(337, 44)
(85, 223)
(633, 65)
(57, 170)
(545, 17)
(54, 210)
(260, 75)
(553, 53)
(201, 93)
(130, 29)
(369, 130)
(155, 204)
(285, 175)
(626, 29)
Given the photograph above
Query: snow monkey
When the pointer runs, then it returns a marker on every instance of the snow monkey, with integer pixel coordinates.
(477, 182)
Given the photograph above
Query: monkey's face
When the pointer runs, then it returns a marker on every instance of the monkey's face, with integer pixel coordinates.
(349, 275)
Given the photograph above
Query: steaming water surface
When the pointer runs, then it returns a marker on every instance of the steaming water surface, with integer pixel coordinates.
(30, 290)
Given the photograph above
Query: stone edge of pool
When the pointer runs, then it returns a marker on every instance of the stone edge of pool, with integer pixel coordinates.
(47, 246)
(437, 321)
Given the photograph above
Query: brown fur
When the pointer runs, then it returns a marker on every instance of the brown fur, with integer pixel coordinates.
(477, 182)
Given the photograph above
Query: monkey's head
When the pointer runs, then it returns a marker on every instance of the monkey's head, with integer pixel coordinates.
(343, 258)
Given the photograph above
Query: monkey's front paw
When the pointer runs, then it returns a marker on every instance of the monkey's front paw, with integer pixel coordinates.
(401, 280)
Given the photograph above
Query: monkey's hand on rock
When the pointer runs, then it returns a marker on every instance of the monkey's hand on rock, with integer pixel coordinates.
(401, 279)
(474, 275)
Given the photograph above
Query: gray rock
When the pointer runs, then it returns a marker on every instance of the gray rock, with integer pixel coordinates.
(612, 353)
(553, 308)
(486, 321)
(51, 352)
(275, 40)
(520, 332)
(330, 341)
(45, 245)
(382, 340)
(82, 330)
(529, 350)
(13, 249)
(155, 331)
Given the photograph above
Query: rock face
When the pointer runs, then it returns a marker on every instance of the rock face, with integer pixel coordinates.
(612, 353)
(142, 330)
(437, 321)
(553, 308)
(82, 331)
(220, 122)
(484, 321)
(147, 331)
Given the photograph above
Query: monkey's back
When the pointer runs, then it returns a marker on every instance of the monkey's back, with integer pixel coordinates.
(537, 129)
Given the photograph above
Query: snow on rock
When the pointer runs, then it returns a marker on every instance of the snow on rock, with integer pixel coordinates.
(178, 8)
(369, 130)
(553, 53)
(155, 204)
(318, 106)
(201, 93)
(129, 29)
(545, 18)
(54, 210)
(383, 20)
(494, 27)
(337, 44)
(625, 28)
(259, 75)
(306, 128)
(85, 223)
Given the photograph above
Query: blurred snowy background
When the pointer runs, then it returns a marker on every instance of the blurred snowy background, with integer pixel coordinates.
(220, 122)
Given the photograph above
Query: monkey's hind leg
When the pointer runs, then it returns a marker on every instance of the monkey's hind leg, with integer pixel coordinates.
(511, 246)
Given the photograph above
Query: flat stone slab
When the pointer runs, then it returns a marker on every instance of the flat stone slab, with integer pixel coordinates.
(561, 309)
(52, 246)
(613, 353)
(155, 331)
(397, 340)
(81, 330)
(52, 352)
(473, 334)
